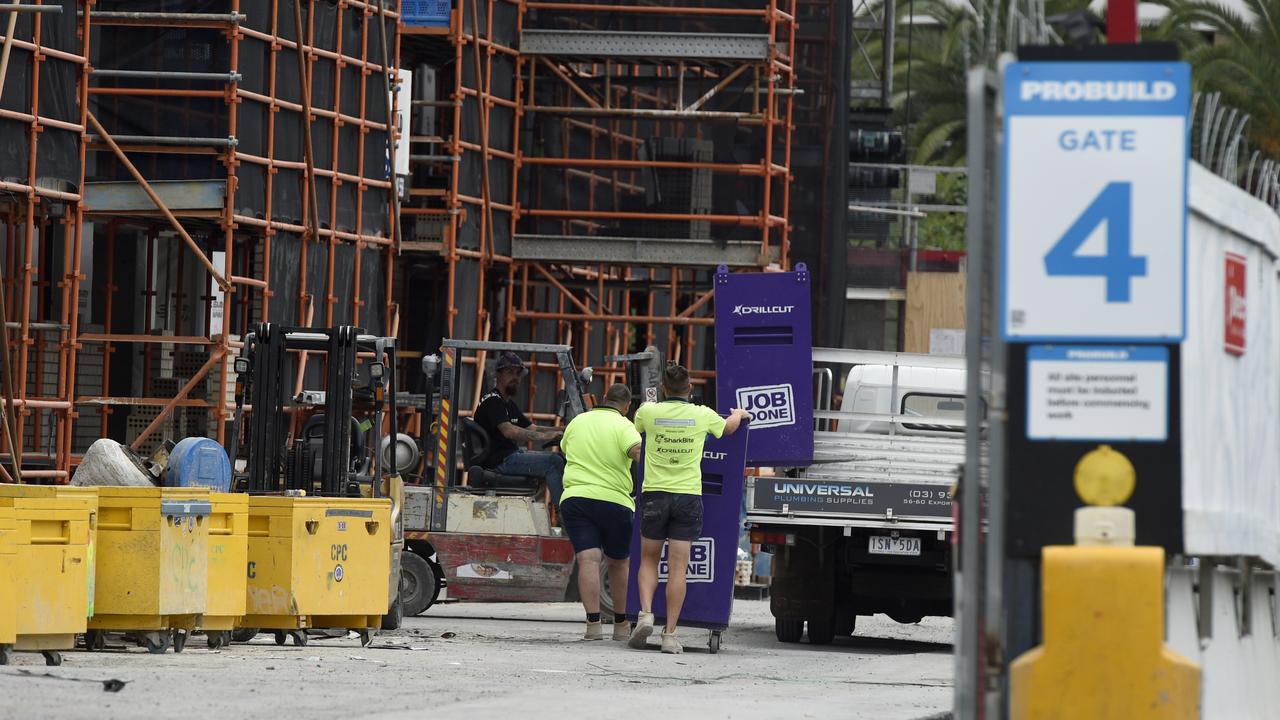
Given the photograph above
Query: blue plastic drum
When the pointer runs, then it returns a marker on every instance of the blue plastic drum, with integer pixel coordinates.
(199, 462)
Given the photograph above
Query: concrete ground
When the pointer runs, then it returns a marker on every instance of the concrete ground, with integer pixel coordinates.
(505, 661)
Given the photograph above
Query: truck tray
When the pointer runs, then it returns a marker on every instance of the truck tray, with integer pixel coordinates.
(865, 476)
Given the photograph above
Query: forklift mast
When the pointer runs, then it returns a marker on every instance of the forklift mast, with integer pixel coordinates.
(320, 459)
(644, 372)
(571, 403)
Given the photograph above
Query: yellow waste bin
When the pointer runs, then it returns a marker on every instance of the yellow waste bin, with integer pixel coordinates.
(8, 583)
(318, 563)
(50, 566)
(152, 565)
(228, 558)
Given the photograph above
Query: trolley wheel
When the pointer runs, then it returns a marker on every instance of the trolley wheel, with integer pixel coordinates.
(714, 642)
(788, 630)
(244, 635)
(95, 640)
(179, 640)
(299, 638)
(52, 658)
(281, 637)
(366, 637)
(156, 642)
(6, 655)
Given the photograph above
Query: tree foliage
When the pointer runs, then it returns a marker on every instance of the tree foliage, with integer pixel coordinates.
(1234, 54)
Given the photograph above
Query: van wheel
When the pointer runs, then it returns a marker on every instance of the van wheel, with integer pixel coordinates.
(821, 632)
(788, 630)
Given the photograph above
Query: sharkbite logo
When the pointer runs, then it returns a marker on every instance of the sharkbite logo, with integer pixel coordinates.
(763, 309)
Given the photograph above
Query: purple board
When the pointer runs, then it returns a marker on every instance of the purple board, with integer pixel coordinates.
(764, 361)
(714, 556)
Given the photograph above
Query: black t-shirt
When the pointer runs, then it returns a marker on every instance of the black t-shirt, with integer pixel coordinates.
(492, 412)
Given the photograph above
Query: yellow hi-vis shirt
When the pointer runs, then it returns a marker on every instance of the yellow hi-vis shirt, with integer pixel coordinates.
(675, 431)
(597, 466)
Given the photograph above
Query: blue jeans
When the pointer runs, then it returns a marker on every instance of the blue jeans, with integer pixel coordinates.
(546, 465)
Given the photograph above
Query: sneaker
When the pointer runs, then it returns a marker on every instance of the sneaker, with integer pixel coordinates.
(641, 632)
(621, 630)
(670, 644)
(593, 631)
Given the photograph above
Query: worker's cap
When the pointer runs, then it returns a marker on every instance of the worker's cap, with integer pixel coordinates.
(509, 361)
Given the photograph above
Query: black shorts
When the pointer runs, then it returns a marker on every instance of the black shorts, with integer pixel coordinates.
(597, 524)
(668, 516)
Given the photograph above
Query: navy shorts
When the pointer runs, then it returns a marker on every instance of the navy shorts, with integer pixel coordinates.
(597, 524)
(670, 516)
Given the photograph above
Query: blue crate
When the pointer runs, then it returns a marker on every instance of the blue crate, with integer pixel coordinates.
(425, 13)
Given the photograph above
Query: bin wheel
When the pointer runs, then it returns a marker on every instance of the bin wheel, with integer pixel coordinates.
(366, 637)
(714, 642)
(95, 640)
(6, 655)
(179, 640)
(52, 658)
(299, 638)
(244, 635)
(156, 643)
(218, 640)
(281, 637)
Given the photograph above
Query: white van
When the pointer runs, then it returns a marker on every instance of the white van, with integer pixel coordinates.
(923, 392)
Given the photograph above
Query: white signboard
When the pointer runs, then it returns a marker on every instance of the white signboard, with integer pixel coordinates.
(1094, 230)
(946, 341)
(1097, 393)
(702, 562)
(769, 405)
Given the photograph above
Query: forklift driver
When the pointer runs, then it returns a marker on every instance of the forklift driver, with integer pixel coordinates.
(507, 426)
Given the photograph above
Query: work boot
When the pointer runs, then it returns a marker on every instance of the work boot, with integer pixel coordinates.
(593, 631)
(670, 645)
(621, 630)
(641, 632)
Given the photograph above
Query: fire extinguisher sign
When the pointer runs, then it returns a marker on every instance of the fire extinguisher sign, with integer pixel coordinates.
(1234, 304)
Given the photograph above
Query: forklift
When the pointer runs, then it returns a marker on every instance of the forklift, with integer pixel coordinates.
(292, 440)
(484, 535)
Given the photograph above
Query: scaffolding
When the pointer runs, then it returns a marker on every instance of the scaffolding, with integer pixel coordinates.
(197, 202)
(43, 78)
(605, 159)
(574, 173)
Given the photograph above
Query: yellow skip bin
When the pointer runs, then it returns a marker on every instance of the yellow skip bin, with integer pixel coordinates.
(152, 564)
(50, 566)
(318, 562)
(228, 557)
(8, 583)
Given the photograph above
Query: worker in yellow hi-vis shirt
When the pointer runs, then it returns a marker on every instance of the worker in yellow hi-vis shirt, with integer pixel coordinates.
(671, 500)
(596, 507)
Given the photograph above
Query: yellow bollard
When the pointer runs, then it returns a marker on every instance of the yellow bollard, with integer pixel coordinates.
(1103, 656)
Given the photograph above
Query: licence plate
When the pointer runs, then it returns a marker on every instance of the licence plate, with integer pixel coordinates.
(885, 545)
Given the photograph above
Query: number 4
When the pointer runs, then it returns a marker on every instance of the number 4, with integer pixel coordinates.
(1118, 265)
